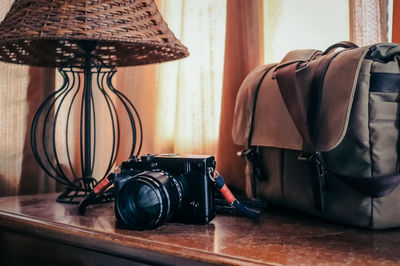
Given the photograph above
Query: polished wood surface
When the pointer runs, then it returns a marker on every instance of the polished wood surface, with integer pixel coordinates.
(37, 229)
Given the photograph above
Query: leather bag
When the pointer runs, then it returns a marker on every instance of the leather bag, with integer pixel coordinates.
(321, 133)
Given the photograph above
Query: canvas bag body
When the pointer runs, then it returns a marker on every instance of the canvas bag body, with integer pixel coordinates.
(356, 129)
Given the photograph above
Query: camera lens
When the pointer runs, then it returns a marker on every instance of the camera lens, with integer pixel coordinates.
(149, 199)
(139, 203)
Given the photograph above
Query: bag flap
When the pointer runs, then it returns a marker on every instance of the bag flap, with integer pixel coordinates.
(273, 125)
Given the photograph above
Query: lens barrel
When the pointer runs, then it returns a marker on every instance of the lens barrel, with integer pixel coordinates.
(149, 199)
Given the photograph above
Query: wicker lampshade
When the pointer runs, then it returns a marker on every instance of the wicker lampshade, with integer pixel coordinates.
(127, 32)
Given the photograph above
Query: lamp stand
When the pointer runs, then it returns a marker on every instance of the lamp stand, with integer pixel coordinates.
(78, 177)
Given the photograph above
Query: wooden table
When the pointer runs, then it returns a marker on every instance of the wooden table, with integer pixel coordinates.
(35, 230)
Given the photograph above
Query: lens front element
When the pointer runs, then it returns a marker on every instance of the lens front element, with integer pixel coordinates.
(148, 200)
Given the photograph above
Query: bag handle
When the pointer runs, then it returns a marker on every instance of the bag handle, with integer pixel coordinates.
(343, 44)
(371, 186)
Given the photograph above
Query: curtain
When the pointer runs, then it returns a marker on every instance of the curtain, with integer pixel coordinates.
(243, 52)
(368, 21)
(19, 172)
(33, 180)
(395, 22)
(139, 85)
(13, 83)
(189, 90)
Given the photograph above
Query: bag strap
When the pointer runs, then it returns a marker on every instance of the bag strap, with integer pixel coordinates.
(250, 152)
(371, 186)
(285, 77)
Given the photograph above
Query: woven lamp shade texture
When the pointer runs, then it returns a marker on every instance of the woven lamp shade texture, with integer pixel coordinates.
(46, 32)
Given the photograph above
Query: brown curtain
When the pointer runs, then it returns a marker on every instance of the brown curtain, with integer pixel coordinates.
(138, 84)
(243, 52)
(396, 22)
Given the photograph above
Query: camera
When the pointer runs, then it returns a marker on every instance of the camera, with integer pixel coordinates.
(155, 189)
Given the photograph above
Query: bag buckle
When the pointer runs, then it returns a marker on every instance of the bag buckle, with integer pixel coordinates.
(319, 177)
(321, 170)
(246, 152)
(318, 162)
(305, 157)
(252, 156)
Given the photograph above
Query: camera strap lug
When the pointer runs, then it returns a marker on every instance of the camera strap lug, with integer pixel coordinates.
(220, 185)
(105, 183)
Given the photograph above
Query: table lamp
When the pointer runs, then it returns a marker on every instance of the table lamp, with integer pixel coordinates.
(85, 40)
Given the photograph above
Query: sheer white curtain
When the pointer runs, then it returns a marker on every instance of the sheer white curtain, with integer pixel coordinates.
(13, 83)
(369, 21)
(189, 90)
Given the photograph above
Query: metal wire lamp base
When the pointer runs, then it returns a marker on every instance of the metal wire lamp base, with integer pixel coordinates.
(76, 132)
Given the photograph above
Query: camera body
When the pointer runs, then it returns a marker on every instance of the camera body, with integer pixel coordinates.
(158, 188)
